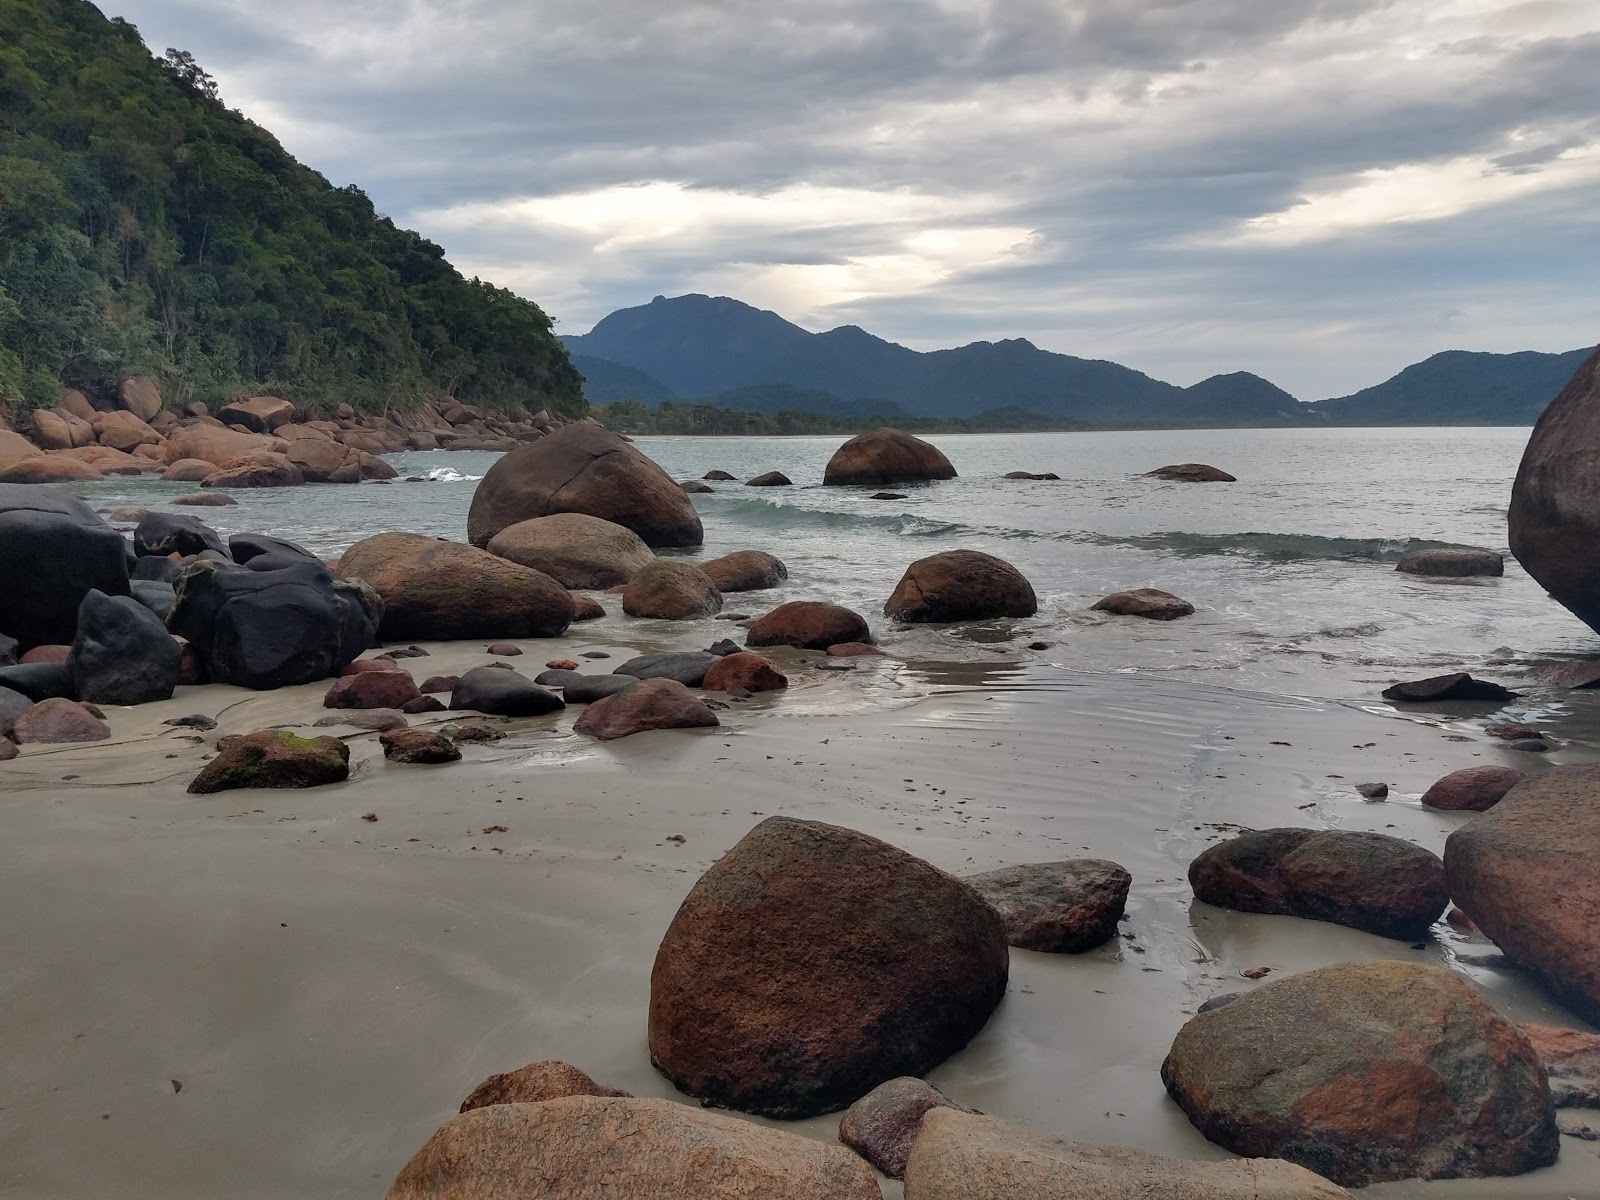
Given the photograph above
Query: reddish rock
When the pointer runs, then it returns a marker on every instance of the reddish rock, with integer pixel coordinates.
(672, 591)
(770, 479)
(1063, 907)
(372, 689)
(653, 704)
(811, 963)
(1472, 789)
(46, 654)
(188, 470)
(550, 1079)
(274, 758)
(574, 549)
(883, 1124)
(380, 663)
(1452, 562)
(423, 704)
(503, 650)
(586, 608)
(1152, 603)
(49, 468)
(261, 469)
(744, 670)
(961, 585)
(1192, 473)
(808, 625)
(852, 650)
(885, 456)
(745, 571)
(56, 721)
(561, 664)
(139, 395)
(258, 414)
(1571, 1059)
(418, 746)
(218, 445)
(439, 683)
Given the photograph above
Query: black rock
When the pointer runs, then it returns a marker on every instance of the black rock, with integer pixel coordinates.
(770, 479)
(38, 681)
(156, 570)
(247, 546)
(556, 677)
(503, 692)
(887, 496)
(53, 550)
(192, 721)
(12, 705)
(594, 654)
(724, 648)
(159, 534)
(1222, 1001)
(157, 597)
(1531, 745)
(688, 669)
(8, 650)
(123, 654)
(586, 689)
(717, 475)
(1457, 686)
(409, 652)
(270, 629)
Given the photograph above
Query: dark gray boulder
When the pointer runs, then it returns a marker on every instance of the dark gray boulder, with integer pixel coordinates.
(247, 546)
(12, 705)
(688, 668)
(38, 681)
(556, 677)
(503, 692)
(586, 689)
(159, 534)
(53, 551)
(123, 654)
(8, 650)
(1456, 686)
(1064, 907)
(157, 597)
(156, 570)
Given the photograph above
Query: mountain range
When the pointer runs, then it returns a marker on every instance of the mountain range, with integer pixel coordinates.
(719, 350)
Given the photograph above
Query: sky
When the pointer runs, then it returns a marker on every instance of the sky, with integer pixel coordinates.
(1319, 191)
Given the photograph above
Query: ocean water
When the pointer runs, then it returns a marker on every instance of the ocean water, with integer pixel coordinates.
(1291, 568)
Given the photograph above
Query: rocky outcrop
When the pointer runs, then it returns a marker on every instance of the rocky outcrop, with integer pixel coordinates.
(811, 963)
(649, 705)
(746, 671)
(550, 1079)
(216, 445)
(583, 468)
(123, 431)
(885, 456)
(672, 591)
(1191, 473)
(961, 585)
(1554, 519)
(256, 414)
(1528, 874)
(745, 571)
(1151, 603)
(1369, 881)
(446, 590)
(1366, 1072)
(883, 1124)
(188, 470)
(966, 1156)
(808, 625)
(502, 692)
(261, 469)
(1472, 789)
(274, 758)
(53, 551)
(49, 468)
(574, 549)
(139, 395)
(615, 1148)
(55, 721)
(122, 653)
(1453, 562)
(1064, 907)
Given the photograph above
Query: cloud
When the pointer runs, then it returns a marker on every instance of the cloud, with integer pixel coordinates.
(1318, 190)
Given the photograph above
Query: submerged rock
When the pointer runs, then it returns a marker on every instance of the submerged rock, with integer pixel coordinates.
(1472, 789)
(770, 479)
(1455, 562)
(1152, 603)
(274, 758)
(1456, 686)
(693, 487)
(1191, 473)
(650, 704)
(671, 591)
(883, 1124)
(1063, 907)
(961, 585)
(808, 625)
(811, 963)
(885, 456)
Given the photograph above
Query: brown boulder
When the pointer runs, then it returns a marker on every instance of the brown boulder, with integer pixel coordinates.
(49, 468)
(258, 414)
(218, 445)
(362, 665)
(883, 1124)
(445, 590)
(439, 683)
(139, 395)
(961, 585)
(672, 591)
(47, 654)
(583, 468)
(14, 448)
(885, 456)
(371, 689)
(550, 1079)
(574, 549)
(587, 608)
(1366, 1072)
(188, 470)
(1571, 1059)
(1472, 789)
(653, 704)
(1369, 881)
(966, 1156)
(56, 721)
(75, 403)
(261, 469)
(693, 487)
(745, 571)
(418, 747)
(744, 670)
(811, 963)
(1528, 874)
(51, 431)
(616, 1148)
(853, 650)
(1191, 473)
(106, 460)
(273, 758)
(123, 431)
(318, 461)
(1064, 907)
(1152, 603)
(808, 625)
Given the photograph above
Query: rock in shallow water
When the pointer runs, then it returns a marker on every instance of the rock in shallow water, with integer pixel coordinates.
(1571, 1058)
(686, 667)
(808, 625)
(744, 670)
(1151, 603)
(745, 571)
(650, 704)
(274, 758)
(961, 585)
(418, 746)
(1063, 907)
(1456, 562)
(886, 456)
(1191, 473)
(576, 550)
(503, 692)
(1456, 686)
(671, 591)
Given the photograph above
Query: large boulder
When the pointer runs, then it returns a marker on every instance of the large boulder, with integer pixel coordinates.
(124, 431)
(502, 692)
(745, 571)
(139, 395)
(188, 470)
(968, 1156)
(1471, 789)
(217, 445)
(811, 963)
(274, 758)
(885, 456)
(53, 551)
(648, 705)
(583, 468)
(447, 590)
(1150, 603)
(15, 448)
(1366, 1072)
(1554, 519)
(574, 549)
(808, 625)
(159, 534)
(51, 431)
(673, 591)
(1063, 907)
(618, 1148)
(687, 667)
(258, 469)
(50, 468)
(1192, 473)
(287, 624)
(1369, 881)
(961, 585)
(1528, 874)
(257, 414)
(324, 462)
(744, 670)
(123, 653)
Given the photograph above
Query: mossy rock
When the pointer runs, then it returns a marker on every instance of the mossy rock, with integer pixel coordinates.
(273, 758)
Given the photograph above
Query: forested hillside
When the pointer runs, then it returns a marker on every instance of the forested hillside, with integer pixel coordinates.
(147, 229)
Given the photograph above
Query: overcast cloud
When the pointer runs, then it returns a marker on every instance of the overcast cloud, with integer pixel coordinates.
(1320, 191)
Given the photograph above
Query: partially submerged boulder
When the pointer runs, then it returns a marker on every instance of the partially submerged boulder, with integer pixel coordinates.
(770, 479)
(1191, 473)
(1064, 907)
(1453, 562)
(549, 1079)
(886, 456)
(418, 746)
(123, 653)
(1472, 789)
(1366, 1072)
(745, 571)
(1458, 685)
(1151, 603)
(961, 585)
(274, 758)
(752, 672)
(502, 692)
(649, 705)
(673, 591)
(53, 551)
(811, 963)
(1368, 881)
(574, 549)
(446, 590)
(808, 625)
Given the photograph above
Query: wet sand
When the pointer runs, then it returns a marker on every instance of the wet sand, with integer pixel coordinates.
(326, 988)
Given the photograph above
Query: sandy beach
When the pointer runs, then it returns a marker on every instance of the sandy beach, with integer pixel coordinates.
(326, 988)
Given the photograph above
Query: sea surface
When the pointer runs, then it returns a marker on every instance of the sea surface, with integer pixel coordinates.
(1291, 568)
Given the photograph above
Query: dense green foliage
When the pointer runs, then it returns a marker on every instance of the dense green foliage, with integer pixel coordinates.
(146, 228)
(629, 416)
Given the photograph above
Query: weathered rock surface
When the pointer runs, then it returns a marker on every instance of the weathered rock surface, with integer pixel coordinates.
(58, 720)
(274, 758)
(257, 414)
(808, 625)
(38, 681)
(615, 1148)
(1472, 789)
(883, 1124)
(686, 667)
(1453, 562)
(123, 653)
(1455, 686)
(583, 468)
(693, 487)
(770, 479)
(1064, 907)
(48, 468)
(53, 551)
(12, 705)
(260, 469)
(188, 470)
(1571, 1059)
(961, 585)
(1192, 473)
(650, 704)
(218, 446)
(672, 591)
(752, 672)
(811, 963)
(159, 534)
(446, 590)
(1366, 1072)
(1152, 603)
(1369, 881)
(745, 571)
(965, 1156)
(574, 549)
(139, 395)
(1528, 874)
(718, 476)
(885, 456)
(504, 693)
(550, 1079)
(372, 689)
(418, 746)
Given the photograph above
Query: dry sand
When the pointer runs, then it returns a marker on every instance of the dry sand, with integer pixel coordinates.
(326, 989)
